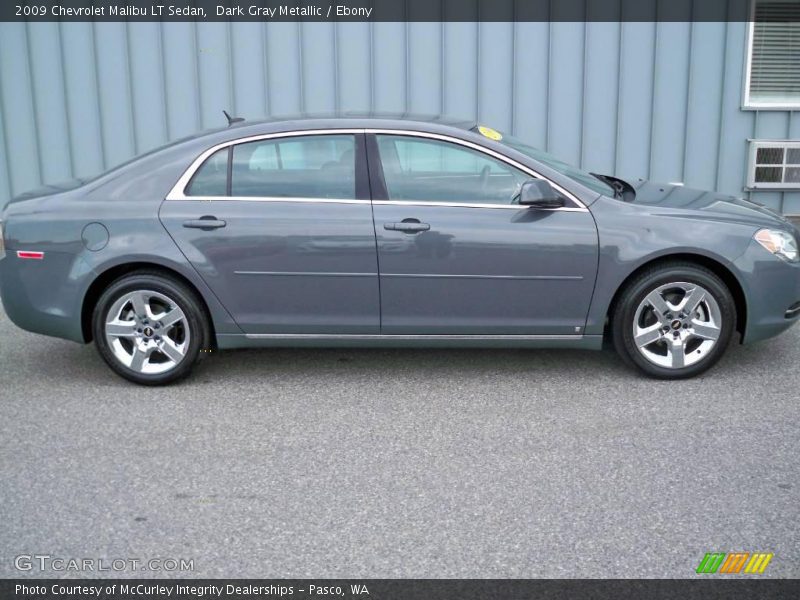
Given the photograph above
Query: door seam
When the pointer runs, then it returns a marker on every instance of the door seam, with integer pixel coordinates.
(374, 233)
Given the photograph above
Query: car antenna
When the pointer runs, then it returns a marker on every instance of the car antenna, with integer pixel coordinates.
(232, 120)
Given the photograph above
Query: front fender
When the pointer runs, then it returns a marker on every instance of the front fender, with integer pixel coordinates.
(631, 237)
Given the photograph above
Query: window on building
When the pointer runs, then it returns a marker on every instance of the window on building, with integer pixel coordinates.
(774, 165)
(773, 61)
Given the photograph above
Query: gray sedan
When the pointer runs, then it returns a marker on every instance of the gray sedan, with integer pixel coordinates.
(389, 231)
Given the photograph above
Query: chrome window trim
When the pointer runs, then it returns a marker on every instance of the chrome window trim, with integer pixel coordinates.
(178, 190)
(580, 206)
(273, 199)
(470, 205)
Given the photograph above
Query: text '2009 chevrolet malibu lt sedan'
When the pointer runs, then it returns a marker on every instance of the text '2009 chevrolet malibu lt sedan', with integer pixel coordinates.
(389, 231)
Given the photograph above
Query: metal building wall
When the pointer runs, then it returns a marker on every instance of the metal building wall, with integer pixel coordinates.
(658, 100)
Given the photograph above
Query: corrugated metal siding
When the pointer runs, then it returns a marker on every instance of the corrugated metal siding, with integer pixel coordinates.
(659, 100)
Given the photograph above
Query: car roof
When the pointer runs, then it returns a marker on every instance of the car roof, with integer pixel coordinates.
(302, 122)
(325, 120)
(360, 119)
(172, 155)
(331, 120)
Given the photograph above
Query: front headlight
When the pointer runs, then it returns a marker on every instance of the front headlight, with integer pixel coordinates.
(779, 243)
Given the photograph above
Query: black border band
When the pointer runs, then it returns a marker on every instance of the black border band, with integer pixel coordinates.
(377, 10)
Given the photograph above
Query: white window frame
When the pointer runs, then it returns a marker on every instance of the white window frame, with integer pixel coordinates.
(751, 166)
(747, 102)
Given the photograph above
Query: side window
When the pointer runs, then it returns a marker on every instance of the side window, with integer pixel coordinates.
(320, 166)
(432, 170)
(211, 179)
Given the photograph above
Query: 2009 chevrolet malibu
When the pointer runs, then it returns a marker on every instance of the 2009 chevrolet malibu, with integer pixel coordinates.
(391, 231)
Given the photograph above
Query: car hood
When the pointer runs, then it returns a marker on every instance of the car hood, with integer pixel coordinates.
(702, 203)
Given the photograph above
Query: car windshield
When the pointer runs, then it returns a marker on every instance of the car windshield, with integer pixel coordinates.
(586, 179)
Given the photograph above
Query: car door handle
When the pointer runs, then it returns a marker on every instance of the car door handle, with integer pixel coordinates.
(407, 226)
(206, 222)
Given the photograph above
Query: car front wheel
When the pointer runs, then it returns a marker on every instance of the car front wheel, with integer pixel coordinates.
(674, 321)
(150, 328)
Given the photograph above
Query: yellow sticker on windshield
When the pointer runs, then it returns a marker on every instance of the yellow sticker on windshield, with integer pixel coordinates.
(490, 133)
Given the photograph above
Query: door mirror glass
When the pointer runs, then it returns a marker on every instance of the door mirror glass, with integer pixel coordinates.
(538, 193)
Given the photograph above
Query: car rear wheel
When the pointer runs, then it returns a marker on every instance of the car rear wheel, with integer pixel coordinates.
(150, 328)
(674, 321)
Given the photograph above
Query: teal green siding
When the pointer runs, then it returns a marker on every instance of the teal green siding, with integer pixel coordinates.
(653, 100)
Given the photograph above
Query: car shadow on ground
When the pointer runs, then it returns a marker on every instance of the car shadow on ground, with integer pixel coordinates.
(261, 365)
(453, 362)
(52, 359)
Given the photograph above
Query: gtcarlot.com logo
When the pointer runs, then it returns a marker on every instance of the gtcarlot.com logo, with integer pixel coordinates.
(46, 562)
(735, 562)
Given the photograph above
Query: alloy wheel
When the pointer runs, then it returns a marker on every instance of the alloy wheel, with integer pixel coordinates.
(147, 332)
(677, 324)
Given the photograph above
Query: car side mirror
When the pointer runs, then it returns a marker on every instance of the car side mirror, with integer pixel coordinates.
(538, 193)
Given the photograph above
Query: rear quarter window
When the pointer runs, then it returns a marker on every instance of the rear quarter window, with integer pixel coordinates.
(211, 179)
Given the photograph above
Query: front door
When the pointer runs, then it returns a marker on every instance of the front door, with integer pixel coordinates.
(281, 230)
(457, 257)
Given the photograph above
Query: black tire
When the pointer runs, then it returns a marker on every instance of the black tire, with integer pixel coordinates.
(634, 293)
(196, 319)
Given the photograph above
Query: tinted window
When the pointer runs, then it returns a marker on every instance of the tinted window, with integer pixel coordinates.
(320, 166)
(430, 170)
(211, 179)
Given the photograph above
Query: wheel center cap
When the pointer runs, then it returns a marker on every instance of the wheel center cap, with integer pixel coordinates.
(676, 324)
(148, 331)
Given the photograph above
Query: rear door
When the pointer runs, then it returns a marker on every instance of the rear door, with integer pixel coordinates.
(281, 230)
(458, 257)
